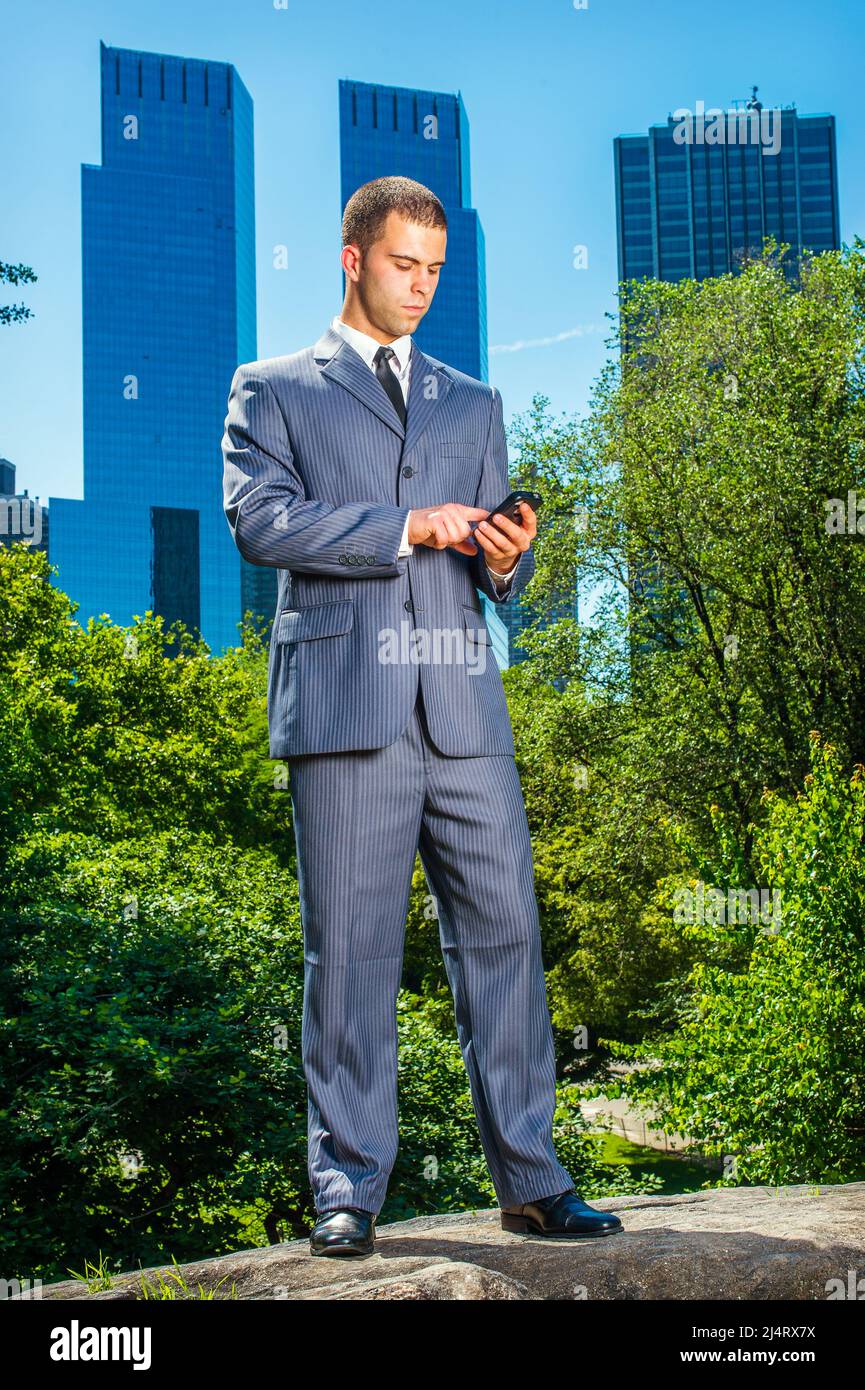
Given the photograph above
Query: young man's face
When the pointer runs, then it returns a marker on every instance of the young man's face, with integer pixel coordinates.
(397, 278)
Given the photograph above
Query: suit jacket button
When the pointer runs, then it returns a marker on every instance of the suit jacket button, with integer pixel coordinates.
(408, 471)
(408, 605)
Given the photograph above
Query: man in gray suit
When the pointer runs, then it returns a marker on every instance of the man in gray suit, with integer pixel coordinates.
(362, 470)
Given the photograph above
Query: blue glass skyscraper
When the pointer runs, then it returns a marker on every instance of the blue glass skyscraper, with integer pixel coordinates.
(698, 194)
(168, 228)
(425, 136)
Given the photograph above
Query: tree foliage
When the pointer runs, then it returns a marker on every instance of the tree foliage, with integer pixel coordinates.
(152, 1097)
(722, 623)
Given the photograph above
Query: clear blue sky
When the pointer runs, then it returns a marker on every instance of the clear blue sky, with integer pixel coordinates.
(546, 88)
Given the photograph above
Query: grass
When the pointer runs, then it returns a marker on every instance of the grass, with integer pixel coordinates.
(173, 1286)
(678, 1173)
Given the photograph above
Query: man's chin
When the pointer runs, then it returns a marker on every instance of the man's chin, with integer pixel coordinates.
(409, 324)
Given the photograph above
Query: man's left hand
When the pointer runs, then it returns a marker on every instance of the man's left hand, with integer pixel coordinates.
(504, 541)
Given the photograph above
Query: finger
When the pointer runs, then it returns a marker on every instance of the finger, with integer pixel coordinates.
(510, 529)
(467, 547)
(530, 520)
(485, 536)
(438, 535)
(456, 528)
(441, 528)
(518, 540)
(505, 545)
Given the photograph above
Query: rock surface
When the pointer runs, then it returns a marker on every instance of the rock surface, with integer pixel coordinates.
(723, 1243)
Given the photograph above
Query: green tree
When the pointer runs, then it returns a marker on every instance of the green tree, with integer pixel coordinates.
(152, 1098)
(15, 275)
(721, 619)
(765, 1064)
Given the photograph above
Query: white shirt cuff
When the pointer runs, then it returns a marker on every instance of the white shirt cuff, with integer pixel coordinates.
(501, 580)
(404, 547)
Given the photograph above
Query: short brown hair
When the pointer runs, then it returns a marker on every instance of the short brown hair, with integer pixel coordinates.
(367, 209)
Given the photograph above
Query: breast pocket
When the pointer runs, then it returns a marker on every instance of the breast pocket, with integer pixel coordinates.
(457, 449)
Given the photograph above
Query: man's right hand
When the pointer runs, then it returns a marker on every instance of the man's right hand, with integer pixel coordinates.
(446, 525)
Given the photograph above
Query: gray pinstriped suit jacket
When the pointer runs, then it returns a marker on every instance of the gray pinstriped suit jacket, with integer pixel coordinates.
(319, 475)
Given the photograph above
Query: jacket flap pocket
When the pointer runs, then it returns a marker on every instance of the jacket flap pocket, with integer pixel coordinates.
(476, 628)
(317, 620)
(457, 448)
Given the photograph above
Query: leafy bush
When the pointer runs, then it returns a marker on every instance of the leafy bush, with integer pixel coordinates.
(766, 1064)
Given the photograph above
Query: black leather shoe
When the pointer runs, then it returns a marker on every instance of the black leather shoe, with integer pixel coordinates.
(563, 1214)
(343, 1231)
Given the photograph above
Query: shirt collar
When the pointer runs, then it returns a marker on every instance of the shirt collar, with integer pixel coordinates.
(368, 347)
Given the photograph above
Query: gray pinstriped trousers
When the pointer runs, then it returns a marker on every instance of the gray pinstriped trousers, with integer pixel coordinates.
(360, 818)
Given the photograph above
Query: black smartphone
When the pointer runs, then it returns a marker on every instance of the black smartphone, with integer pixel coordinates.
(509, 507)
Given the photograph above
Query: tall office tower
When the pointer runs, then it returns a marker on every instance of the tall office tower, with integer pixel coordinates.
(425, 136)
(696, 195)
(168, 229)
(22, 518)
(517, 617)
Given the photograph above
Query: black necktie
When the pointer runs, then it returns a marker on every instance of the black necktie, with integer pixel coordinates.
(389, 381)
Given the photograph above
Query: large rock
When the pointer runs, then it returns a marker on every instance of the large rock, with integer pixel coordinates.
(727, 1243)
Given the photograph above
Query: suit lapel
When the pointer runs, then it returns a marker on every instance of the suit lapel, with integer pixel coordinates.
(428, 385)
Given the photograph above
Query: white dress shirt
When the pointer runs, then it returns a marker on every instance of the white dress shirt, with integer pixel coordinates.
(400, 365)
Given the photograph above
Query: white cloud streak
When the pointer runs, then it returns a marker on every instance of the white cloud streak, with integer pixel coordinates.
(581, 331)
